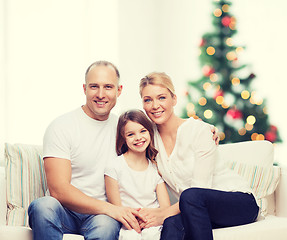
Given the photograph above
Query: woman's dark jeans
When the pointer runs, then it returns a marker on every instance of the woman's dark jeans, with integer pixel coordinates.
(205, 209)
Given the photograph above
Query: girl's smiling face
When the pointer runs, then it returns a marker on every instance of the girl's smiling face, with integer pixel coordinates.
(137, 137)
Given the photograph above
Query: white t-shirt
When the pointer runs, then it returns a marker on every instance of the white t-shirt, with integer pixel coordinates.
(87, 143)
(194, 162)
(137, 188)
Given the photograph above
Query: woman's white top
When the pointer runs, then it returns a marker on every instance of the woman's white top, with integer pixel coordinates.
(137, 188)
(194, 162)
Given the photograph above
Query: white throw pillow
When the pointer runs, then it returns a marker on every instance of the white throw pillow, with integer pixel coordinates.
(253, 160)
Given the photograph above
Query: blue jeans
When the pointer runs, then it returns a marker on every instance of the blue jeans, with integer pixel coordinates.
(50, 220)
(205, 209)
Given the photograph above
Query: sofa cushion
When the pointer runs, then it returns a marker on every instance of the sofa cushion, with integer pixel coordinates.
(25, 233)
(270, 228)
(253, 160)
(25, 178)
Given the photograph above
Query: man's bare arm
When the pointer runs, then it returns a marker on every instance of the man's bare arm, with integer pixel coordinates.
(58, 174)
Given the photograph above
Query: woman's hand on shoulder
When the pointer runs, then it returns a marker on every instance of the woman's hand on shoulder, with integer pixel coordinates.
(215, 135)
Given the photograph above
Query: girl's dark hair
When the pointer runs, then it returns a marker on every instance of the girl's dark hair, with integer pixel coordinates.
(137, 116)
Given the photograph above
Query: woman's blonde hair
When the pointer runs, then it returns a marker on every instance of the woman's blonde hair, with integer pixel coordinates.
(157, 78)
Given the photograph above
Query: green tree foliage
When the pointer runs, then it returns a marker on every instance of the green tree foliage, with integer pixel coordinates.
(223, 95)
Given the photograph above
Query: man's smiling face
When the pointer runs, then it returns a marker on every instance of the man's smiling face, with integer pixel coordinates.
(102, 90)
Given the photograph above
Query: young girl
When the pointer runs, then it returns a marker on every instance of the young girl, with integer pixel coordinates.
(132, 180)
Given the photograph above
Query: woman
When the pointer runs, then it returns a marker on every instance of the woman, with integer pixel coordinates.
(210, 195)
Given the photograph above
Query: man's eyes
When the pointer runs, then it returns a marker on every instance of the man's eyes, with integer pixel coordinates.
(96, 86)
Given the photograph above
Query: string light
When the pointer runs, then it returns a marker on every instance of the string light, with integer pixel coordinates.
(225, 105)
(229, 41)
(242, 131)
(239, 49)
(221, 135)
(232, 23)
(255, 99)
(260, 137)
(219, 100)
(225, 8)
(206, 86)
(217, 12)
(245, 94)
(257, 137)
(208, 114)
(217, 87)
(231, 56)
(202, 101)
(251, 119)
(210, 50)
(190, 109)
(248, 127)
(253, 136)
(213, 77)
(235, 81)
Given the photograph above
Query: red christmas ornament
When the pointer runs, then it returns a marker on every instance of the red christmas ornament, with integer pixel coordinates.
(226, 21)
(202, 42)
(207, 71)
(273, 128)
(234, 113)
(271, 136)
(218, 93)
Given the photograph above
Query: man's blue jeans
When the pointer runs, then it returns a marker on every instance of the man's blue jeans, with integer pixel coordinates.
(205, 209)
(49, 220)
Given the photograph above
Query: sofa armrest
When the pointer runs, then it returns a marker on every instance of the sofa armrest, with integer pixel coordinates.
(3, 205)
(281, 193)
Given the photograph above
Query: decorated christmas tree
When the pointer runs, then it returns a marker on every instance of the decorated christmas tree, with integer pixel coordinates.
(223, 95)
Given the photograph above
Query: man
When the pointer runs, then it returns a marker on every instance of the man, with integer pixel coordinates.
(76, 147)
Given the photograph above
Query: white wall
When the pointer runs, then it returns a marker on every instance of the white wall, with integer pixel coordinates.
(48, 45)
(262, 29)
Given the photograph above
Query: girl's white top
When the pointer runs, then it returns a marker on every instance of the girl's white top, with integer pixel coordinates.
(137, 188)
(194, 162)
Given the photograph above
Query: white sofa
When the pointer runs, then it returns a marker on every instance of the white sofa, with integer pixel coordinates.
(252, 160)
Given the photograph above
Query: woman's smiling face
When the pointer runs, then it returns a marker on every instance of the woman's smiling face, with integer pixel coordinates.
(158, 103)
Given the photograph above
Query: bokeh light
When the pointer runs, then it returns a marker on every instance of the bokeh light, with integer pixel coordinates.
(217, 12)
(245, 94)
(210, 50)
(208, 114)
(202, 101)
(251, 119)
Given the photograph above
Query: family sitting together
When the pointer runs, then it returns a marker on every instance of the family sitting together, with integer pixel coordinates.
(108, 176)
